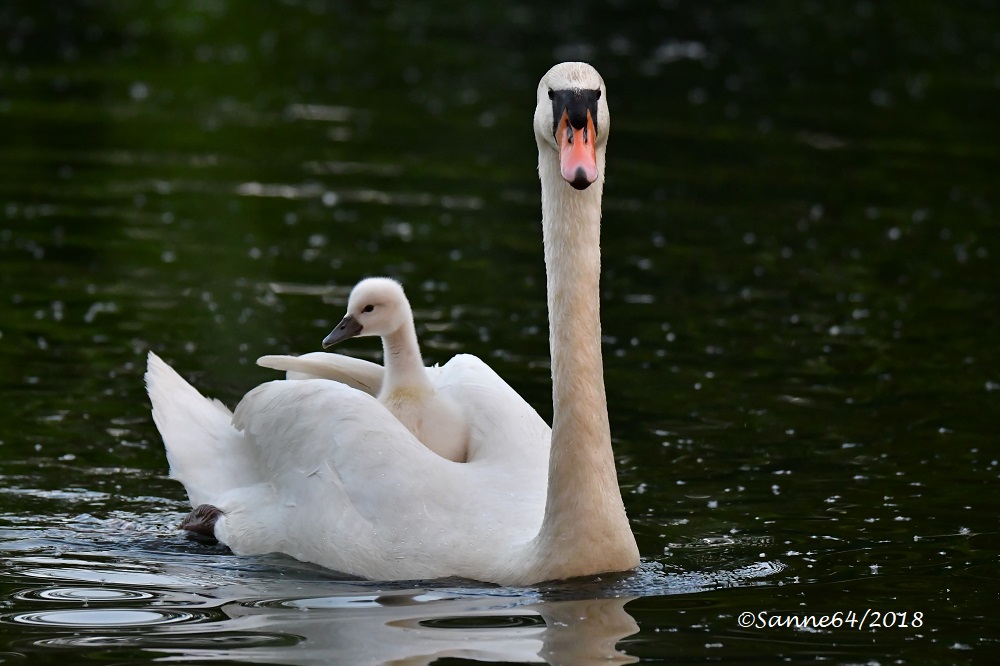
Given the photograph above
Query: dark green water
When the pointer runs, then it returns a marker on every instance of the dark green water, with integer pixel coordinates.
(800, 303)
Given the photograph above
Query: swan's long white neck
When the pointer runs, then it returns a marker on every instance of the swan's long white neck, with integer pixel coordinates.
(585, 528)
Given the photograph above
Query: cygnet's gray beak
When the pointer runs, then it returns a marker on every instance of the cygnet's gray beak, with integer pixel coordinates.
(347, 328)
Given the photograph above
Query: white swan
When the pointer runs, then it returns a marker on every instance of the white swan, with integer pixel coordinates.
(378, 306)
(322, 472)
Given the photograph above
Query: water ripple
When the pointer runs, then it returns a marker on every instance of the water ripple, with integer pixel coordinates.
(102, 617)
(484, 622)
(85, 594)
(186, 641)
(108, 575)
(380, 600)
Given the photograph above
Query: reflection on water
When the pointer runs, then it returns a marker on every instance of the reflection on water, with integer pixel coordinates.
(254, 616)
(402, 627)
(154, 590)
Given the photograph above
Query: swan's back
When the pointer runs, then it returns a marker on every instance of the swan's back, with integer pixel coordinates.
(503, 428)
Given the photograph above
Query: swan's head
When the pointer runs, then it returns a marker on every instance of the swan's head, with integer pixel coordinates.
(376, 306)
(572, 118)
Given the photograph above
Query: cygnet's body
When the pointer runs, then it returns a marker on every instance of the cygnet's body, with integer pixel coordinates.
(378, 306)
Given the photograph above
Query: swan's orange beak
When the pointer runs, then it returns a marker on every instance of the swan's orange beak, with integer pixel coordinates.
(577, 156)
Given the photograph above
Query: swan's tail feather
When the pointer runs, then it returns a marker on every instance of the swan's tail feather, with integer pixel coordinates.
(206, 453)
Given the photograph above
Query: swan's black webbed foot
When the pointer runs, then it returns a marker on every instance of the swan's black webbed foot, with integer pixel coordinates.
(201, 522)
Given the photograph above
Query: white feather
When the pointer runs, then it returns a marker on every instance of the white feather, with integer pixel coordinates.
(355, 372)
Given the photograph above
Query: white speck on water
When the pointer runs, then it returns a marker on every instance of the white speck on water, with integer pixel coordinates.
(138, 91)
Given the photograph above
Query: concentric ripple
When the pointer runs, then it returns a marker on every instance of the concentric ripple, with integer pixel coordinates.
(102, 617)
(84, 594)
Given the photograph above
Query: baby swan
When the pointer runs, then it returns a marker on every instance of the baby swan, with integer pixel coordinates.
(378, 306)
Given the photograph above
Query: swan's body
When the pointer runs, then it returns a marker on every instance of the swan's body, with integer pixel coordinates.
(378, 306)
(322, 472)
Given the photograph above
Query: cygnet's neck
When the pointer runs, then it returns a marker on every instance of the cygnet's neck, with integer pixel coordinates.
(404, 366)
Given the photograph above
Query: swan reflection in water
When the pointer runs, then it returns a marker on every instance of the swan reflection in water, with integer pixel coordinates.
(414, 627)
(200, 605)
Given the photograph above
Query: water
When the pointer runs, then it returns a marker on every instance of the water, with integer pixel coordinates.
(799, 308)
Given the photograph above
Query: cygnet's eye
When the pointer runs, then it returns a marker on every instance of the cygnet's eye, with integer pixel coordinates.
(369, 308)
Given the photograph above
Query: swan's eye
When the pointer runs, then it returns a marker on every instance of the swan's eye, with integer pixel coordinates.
(598, 94)
(368, 308)
(552, 94)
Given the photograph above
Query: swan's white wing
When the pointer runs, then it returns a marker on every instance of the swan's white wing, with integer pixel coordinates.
(311, 431)
(505, 432)
(205, 452)
(355, 372)
(351, 489)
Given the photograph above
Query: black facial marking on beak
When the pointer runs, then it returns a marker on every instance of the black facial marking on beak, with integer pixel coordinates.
(580, 182)
(575, 103)
(347, 328)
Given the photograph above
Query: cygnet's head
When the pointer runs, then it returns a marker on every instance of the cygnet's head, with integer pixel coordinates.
(572, 118)
(376, 306)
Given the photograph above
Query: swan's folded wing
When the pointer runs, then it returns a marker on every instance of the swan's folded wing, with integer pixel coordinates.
(347, 486)
(316, 440)
(355, 372)
(504, 430)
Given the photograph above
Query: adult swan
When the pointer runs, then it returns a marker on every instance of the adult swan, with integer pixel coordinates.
(322, 472)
